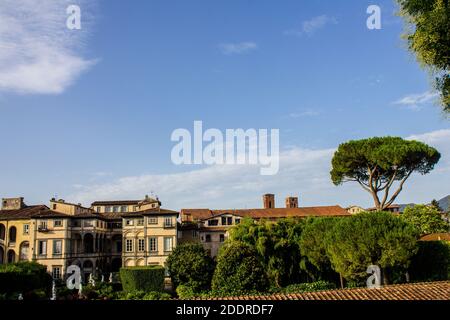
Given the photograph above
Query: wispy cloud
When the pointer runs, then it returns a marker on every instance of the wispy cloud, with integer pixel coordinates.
(38, 53)
(416, 102)
(237, 48)
(302, 171)
(309, 27)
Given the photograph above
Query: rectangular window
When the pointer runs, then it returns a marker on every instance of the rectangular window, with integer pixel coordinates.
(57, 223)
(214, 222)
(56, 273)
(57, 246)
(152, 220)
(208, 238)
(26, 229)
(168, 222)
(108, 209)
(42, 247)
(222, 237)
(141, 245)
(115, 209)
(140, 222)
(129, 245)
(168, 244)
(237, 221)
(129, 222)
(123, 209)
(43, 224)
(153, 244)
(224, 221)
(98, 209)
(229, 221)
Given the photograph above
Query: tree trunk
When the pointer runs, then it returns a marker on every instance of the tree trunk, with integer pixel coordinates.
(385, 276)
(342, 281)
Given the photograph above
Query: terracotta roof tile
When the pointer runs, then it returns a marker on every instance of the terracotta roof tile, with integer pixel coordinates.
(24, 213)
(439, 290)
(436, 237)
(202, 214)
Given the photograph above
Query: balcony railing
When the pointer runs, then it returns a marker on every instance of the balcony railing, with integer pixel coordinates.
(43, 229)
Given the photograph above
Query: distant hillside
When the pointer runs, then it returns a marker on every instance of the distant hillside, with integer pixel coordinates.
(444, 203)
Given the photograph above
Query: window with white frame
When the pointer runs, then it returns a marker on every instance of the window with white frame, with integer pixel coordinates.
(140, 222)
(56, 272)
(26, 229)
(141, 245)
(57, 223)
(129, 222)
(123, 209)
(152, 220)
(168, 222)
(43, 224)
(57, 246)
(153, 244)
(168, 242)
(107, 209)
(42, 247)
(116, 209)
(129, 245)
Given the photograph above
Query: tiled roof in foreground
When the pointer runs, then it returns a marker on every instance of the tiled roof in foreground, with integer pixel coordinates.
(439, 290)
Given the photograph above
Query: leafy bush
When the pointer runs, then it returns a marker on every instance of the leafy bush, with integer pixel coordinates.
(146, 279)
(277, 244)
(432, 262)
(190, 264)
(25, 277)
(238, 269)
(309, 287)
(186, 292)
(142, 295)
(426, 219)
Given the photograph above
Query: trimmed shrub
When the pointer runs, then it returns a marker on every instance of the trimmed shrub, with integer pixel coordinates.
(24, 277)
(190, 264)
(186, 292)
(141, 295)
(309, 287)
(238, 270)
(145, 279)
(432, 262)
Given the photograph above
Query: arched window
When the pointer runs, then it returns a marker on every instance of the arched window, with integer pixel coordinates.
(2, 232)
(2, 254)
(24, 249)
(12, 234)
(11, 256)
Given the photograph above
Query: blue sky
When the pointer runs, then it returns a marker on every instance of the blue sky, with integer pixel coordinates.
(95, 123)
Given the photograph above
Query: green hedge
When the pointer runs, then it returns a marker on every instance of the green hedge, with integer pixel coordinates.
(24, 277)
(432, 262)
(142, 278)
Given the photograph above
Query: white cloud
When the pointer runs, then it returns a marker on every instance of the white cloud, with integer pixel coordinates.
(309, 27)
(303, 172)
(38, 53)
(417, 101)
(237, 48)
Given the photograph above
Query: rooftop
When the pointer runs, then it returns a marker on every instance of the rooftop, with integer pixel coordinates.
(322, 211)
(439, 290)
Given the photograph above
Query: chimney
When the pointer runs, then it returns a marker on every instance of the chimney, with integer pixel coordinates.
(292, 202)
(269, 201)
(12, 203)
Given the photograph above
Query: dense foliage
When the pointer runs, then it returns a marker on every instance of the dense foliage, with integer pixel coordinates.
(429, 37)
(432, 261)
(190, 264)
(426, 219)
(238, 269)
(314, 247)
(146, 279)
(378, 163)
(372, 238)
(26, 278)
(277, 245)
